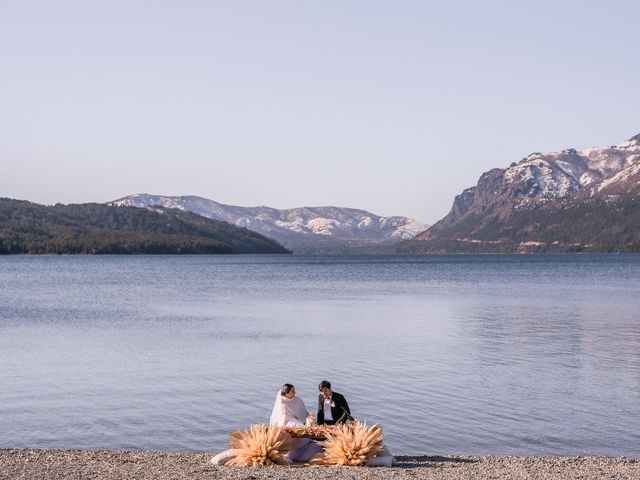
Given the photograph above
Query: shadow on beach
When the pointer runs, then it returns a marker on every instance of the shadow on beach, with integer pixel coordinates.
(415, 461)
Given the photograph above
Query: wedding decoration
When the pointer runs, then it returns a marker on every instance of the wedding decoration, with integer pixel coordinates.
(309, 431)
(350, 444)
(261, 445)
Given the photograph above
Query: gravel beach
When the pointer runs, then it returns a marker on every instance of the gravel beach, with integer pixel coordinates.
(34, 464)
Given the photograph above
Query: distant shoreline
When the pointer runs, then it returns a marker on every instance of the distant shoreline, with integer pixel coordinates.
(293, 254)
(36, 464)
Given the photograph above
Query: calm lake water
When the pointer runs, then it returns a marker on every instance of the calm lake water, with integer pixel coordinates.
(451, 354)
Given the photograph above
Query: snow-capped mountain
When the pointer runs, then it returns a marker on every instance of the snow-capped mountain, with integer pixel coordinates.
(540, 178)
(547, 201)
(303, 230)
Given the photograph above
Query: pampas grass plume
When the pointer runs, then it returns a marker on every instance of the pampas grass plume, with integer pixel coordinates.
(350, 445)
(261, 445)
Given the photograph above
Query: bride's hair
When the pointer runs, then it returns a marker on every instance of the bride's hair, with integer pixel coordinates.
(286, 388)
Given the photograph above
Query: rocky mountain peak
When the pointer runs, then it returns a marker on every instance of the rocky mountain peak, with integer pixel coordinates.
(304, 230)
(543, 178)
(633, 141)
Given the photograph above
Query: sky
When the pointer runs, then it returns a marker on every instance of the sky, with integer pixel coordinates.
(392, 107)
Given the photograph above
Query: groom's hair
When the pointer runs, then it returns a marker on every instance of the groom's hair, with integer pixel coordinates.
(324, 384)
(286, 388)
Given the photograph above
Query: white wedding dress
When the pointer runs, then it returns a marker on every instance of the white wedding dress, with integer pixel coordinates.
(291, 412)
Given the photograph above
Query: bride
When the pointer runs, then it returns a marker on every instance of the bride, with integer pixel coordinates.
(289, 411)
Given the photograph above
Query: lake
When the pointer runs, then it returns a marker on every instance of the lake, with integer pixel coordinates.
(502, 354)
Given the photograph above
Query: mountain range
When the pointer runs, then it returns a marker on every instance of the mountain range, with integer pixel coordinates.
(575, 200)
(305, 230)
(568, 201)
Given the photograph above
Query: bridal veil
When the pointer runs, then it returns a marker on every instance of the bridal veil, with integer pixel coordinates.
(288, 412)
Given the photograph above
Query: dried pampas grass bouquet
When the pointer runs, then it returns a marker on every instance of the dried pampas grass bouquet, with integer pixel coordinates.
(350, 445)
(261, 445)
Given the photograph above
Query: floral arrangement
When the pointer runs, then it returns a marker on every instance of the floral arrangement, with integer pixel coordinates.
(350, 444)
(261, 445)
(309, 431)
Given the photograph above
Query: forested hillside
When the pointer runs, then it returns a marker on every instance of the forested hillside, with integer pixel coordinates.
(93, 228)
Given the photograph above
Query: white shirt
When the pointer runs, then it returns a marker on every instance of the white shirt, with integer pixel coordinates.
(327, 409)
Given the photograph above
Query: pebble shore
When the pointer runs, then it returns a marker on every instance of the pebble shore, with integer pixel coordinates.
(33, 464)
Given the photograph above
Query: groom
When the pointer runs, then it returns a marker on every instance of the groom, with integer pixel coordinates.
(332, 407)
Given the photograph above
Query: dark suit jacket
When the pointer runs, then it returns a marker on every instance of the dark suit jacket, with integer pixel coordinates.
(337, 412)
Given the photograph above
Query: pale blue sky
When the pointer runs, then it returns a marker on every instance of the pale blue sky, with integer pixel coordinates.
(394, 106)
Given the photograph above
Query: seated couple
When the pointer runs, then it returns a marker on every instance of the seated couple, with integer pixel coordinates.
(290, 411)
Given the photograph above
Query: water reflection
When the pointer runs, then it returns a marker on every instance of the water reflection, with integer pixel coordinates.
(471, 354)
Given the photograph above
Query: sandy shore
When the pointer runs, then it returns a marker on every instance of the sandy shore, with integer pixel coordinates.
(82, 464)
